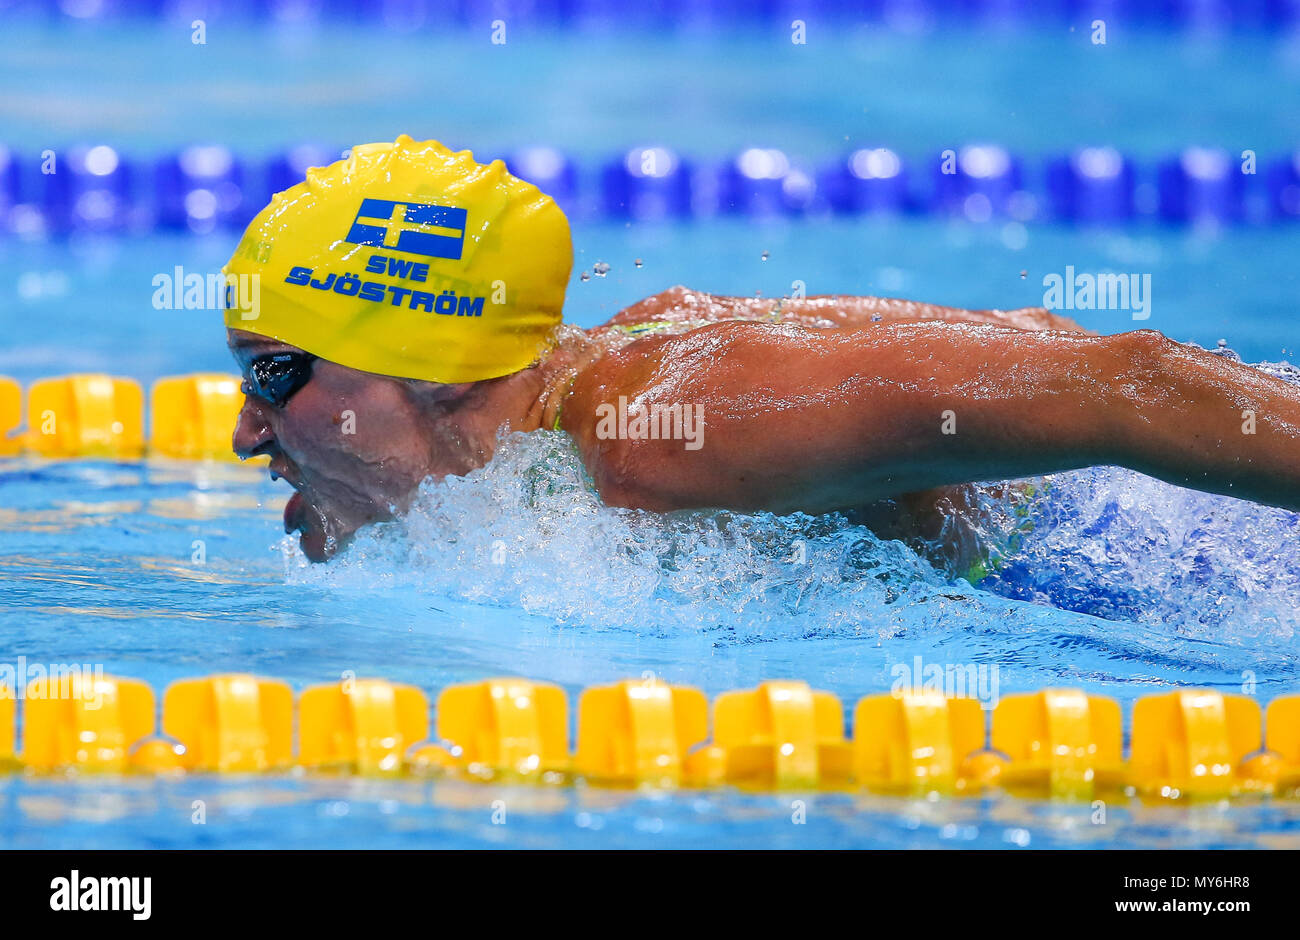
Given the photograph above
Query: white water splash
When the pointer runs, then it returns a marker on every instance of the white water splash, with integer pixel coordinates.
(1123, 546)
(529, 531)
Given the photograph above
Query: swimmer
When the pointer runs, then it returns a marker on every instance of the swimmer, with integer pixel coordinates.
(410, 308)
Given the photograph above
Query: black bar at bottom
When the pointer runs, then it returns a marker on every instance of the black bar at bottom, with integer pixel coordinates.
(330, 889)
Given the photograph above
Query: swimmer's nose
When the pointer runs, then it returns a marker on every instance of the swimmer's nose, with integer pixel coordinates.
(253, 434)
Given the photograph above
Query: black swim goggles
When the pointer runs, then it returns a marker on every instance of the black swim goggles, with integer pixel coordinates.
(277, 377)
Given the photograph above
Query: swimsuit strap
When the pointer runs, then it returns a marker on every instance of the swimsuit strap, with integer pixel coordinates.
(647, 327)
(573, 377)
(657, 326)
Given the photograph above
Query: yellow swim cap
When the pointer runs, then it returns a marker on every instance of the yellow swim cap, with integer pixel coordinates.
(408, 260)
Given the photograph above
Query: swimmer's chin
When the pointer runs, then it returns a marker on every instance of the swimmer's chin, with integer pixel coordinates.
(320, 537)
(323, 533)
(321, 543)
(317, 546)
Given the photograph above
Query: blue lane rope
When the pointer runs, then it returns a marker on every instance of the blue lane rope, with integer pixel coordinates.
(205, 188)
(681, 15)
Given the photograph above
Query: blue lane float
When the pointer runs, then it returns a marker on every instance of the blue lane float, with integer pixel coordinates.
(1201, 185)
(201, 189)
(1283, 181)
(87, 189)
(647, 184)
(549, 170)
(9, 192)
(1094, 185)
(978, 182)
(868, 180)
(763, 181)
(695, 15)
(290, 168)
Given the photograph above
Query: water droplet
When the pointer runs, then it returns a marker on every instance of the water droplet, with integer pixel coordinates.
(584, 276)
(637, 262)
(600, 268)
(1223, 344)
(765, 255)
(1023, 275)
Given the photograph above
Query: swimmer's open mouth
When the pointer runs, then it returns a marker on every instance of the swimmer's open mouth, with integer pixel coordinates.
(282, 472)
(293, 510)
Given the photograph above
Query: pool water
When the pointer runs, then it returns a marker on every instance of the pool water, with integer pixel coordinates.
(1123, 585)
(100, 562)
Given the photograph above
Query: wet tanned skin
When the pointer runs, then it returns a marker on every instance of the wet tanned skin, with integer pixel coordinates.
(836, 405)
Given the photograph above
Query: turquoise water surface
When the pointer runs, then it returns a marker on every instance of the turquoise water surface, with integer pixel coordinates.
(1124, 585)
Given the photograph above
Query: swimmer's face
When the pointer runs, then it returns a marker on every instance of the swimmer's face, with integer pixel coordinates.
(353, 445)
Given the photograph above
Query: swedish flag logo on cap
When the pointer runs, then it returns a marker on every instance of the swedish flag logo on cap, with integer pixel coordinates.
(418, 228)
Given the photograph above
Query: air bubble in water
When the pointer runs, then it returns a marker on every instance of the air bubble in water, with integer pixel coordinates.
(765, 255)
(637, 262)
(584, 276)
(600, 268)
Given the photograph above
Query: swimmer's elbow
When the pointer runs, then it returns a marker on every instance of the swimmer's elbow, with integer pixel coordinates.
(612, 466)
(1144, 356)
(635, 474)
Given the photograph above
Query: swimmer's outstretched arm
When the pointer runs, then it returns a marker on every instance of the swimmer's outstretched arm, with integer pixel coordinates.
(816, 420)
